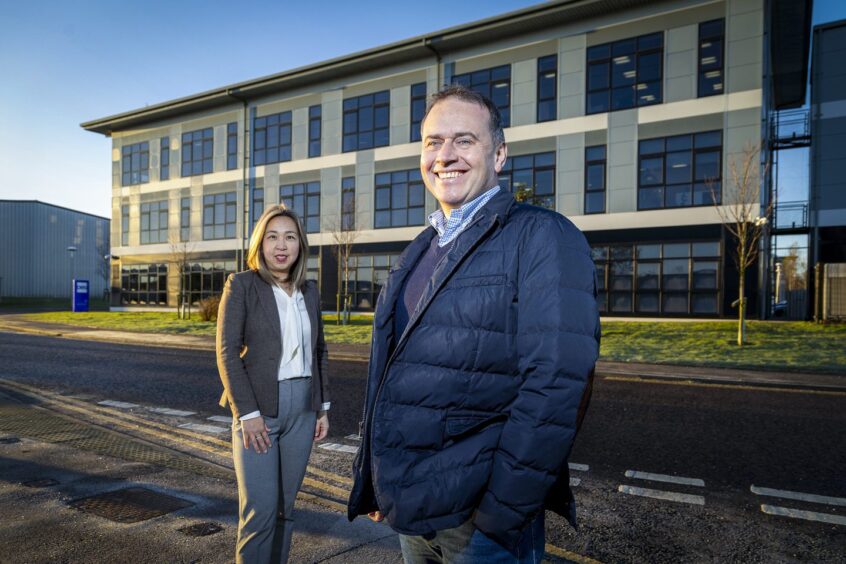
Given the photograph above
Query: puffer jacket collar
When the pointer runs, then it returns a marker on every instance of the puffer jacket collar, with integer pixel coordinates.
(486, 219)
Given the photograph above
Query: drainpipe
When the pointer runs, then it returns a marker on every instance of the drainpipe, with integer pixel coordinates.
(241, 252)
(428, 43)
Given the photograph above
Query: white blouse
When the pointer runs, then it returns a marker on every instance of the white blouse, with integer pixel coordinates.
(296, 334)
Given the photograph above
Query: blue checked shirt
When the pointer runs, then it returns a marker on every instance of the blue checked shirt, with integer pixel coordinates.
(459, 219)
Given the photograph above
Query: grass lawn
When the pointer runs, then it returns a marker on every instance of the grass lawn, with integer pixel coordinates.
(773, 345)
(790, 346)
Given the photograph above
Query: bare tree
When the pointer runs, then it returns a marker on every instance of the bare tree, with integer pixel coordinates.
(344, 232)
(740, 210)
(180, 254)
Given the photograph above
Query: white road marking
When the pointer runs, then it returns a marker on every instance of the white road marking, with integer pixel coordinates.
(339, 448)
(353, 437)
(120, 404)
(806, 515)
(220, 418)
(578, 467)
(813, 498)
(169, 411)
(661, 494)
(575, 481)
(665, 478)
(203, 428)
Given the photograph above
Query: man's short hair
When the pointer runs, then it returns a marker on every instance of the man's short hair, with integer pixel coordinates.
(466, 95)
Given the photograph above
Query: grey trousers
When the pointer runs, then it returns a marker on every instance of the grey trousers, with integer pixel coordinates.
(268, 483)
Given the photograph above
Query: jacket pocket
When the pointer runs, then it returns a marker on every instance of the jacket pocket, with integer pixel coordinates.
(463, 424)
(486, 280)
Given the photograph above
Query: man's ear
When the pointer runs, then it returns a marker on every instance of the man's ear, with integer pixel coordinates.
(500, 156)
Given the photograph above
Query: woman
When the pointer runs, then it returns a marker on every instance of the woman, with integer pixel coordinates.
(272, 360)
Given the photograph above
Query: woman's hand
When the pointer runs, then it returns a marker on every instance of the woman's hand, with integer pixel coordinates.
(254, 432)
(321, 428)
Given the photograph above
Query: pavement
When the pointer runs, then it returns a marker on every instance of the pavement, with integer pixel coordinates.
(83, 486)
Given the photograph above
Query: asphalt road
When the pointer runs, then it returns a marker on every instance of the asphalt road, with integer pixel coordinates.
(730, 438)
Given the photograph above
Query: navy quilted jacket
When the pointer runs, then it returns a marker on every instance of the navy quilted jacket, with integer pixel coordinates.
(472, 411)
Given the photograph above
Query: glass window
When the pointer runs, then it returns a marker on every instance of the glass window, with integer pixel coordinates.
(135, 164)
(418, 109)
(272, 139)
(625, 74)
(143, 284)
(219, 216)
(185, 219)
(348, 203)
(531, 178)
(366, 121)
(679, 171)
(164, 158)
(201, 280)
(666, 279)
(257, 204)
(304, 199)
(711, 39)
(197, 152)
(595, 179)
(124, 225)
(547, 88)
(154, 222)
(231, 146)
(314, 130)
(399, 199)
(368, 273)
(495, 83)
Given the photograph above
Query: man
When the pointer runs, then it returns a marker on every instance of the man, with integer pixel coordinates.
(484, 340)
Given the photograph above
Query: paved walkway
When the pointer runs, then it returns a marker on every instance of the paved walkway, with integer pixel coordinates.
(17, 323)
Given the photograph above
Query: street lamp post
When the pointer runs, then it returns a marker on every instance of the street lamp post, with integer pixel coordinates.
(71, 251)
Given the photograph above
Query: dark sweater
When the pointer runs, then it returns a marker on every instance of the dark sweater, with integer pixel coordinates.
(411, 291)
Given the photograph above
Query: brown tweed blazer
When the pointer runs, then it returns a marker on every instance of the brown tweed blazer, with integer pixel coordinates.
(249, 345)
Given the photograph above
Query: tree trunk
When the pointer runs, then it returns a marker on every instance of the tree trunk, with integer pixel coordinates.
(741, 311)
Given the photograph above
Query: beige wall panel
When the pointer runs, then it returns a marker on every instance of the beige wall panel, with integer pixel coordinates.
(530, 146)
(747, 77)
(650, 20)
(746, 26)
(680, 126)
(510, 51)
(330, 199)
(364, 178)
(385, 79)
(400, 114)
(332, 126)
(570, 204)
(596, 138)
(524, 92)
(288, 103)
(299, 133)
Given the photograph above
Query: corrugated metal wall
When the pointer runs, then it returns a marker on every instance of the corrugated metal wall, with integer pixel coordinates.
(34, 260)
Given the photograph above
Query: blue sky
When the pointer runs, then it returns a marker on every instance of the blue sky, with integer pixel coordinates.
(64, 63)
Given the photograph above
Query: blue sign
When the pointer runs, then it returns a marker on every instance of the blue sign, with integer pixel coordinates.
(80, 295)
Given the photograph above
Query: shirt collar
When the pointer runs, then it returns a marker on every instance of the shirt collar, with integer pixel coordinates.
(449, 228)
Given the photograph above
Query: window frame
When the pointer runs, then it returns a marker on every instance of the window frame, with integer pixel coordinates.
(594, 59)
(315, 121)
(545, 65)
(544, 162)
(417, 110)
(364, 111)
(696, 185)
(702, 74)
(485, 81)
(150, 213)
(594, 160)
(391, 183)
(273, 138)
(135, 163)
(308, 194)
(214, 205)
(191, 141)
(164, 158)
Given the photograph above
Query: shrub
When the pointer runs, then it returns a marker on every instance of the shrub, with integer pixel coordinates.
(208, 308)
